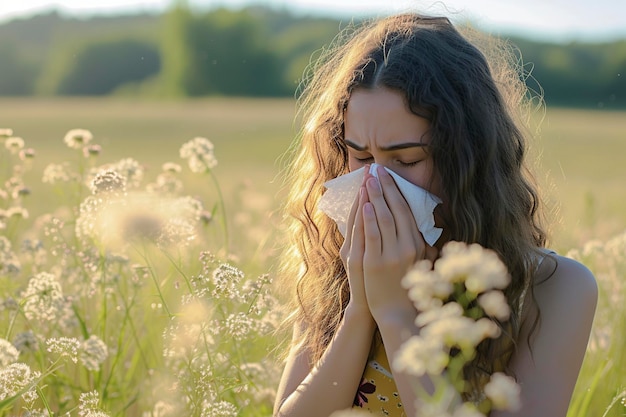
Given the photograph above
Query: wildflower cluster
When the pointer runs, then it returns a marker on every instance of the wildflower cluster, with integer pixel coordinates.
(199, 154)
(458, 299)
(107, 307)
(222, 307)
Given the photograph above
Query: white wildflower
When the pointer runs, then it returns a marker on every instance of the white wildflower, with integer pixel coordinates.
(119, 220)
(9, 262)
(93, 352)
(219, 409)
(5, 133)
(55, 173)
(450, 309)
(14, 144)
(226, 279)
(171, 167)
(88, 405)
(420, 355)
(43, 298)
(239, 326)
(65, 346)
(479, 268)
(26, 342)
(77, 138)
(130, 169)
(503, 392)
(108, 181)
(199, 154)
(17, 212)
(461, 331)
(425, 289)
(494, 304)
(16, 377)
(8, 353)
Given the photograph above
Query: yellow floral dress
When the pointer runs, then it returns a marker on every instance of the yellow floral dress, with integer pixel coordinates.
(377, 391)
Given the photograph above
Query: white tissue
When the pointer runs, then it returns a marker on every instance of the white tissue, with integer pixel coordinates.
(341, 193)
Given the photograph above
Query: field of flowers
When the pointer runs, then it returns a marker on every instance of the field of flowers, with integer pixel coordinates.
(126, 300)
(136, 268)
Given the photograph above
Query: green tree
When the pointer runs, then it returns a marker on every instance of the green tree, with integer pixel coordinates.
(102, 66)
(221, 53)
(16, 74)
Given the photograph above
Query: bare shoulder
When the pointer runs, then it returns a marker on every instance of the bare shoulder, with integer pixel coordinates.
(565, 280)
(553, 342)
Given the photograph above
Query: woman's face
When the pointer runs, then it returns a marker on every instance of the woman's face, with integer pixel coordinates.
(380, 128)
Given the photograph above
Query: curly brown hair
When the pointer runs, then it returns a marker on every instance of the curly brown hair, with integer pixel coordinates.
(477, 145)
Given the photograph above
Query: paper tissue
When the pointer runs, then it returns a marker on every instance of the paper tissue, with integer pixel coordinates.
(341, 193)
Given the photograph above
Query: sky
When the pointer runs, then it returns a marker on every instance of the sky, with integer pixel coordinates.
(551, 20)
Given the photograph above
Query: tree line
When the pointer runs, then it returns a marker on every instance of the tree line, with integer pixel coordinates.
(254, 51)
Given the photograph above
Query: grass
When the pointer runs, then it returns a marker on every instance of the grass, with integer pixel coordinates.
(582, 172)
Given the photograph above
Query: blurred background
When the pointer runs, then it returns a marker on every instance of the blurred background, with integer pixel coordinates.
(260, 48)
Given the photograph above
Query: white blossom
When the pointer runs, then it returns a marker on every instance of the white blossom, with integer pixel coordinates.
(77, 138)
(43, 298)
(219, 409)
(421, 355)
(93, 352)
(503, 392)
(8, 353)
(199, 154)
(14, 144)
(494, 304)
(478, 268)
(65, 346)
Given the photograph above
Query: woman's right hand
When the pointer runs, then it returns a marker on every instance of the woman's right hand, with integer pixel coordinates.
(353, 249)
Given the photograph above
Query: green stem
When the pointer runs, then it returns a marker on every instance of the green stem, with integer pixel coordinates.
(222, 208)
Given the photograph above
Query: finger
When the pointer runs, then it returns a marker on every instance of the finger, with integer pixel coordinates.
(351, 216)
(383, 216)
(373, 240)
(407, 232)
(357, 246)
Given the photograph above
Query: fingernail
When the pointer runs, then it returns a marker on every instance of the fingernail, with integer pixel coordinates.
(375, 183)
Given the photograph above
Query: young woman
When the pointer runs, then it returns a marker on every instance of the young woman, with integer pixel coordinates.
(410, 93)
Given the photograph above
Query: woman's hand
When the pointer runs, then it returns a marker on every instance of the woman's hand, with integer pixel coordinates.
(353, 249)
(392, 244)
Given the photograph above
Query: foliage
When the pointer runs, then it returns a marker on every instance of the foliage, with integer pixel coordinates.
(258, 51)
(222, 52)
(17, 74)
(99, 67)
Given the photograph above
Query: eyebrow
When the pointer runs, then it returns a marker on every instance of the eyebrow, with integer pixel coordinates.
(394, 147)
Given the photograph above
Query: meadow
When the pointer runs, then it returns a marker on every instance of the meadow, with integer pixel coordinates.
(237, 235)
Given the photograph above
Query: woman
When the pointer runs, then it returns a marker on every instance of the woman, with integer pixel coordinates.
(410, 93)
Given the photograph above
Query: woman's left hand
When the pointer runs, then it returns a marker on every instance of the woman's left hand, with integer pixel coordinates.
(393, 244)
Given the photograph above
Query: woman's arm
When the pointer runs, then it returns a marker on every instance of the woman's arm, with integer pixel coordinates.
(333, 382)
(548, 370)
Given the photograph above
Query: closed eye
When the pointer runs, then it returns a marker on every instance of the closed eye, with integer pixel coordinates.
(409, 164)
